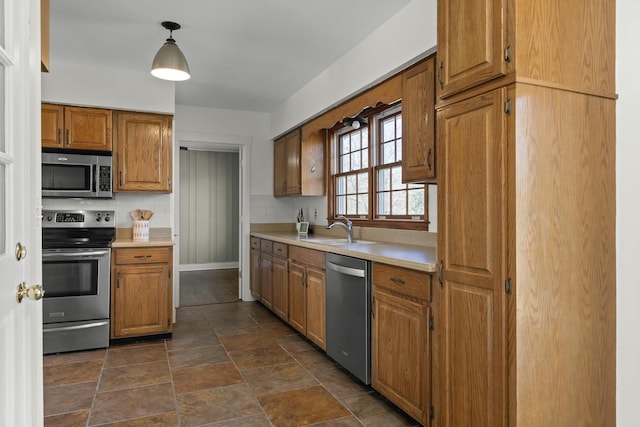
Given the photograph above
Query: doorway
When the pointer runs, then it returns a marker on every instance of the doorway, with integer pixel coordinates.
(217, 260)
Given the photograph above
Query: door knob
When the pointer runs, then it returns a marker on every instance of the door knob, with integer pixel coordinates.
(21, 251)
(34, 292)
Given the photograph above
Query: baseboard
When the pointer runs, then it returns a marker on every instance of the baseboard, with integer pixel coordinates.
(208, 266)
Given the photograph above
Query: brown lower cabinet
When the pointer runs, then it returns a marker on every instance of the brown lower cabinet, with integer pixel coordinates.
(141, 291)
(400, 338)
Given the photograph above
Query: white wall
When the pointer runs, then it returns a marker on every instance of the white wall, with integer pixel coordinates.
(89, 85)
(408, 35)
(628, 212)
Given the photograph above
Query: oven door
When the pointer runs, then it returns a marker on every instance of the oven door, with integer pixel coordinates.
(77, 284)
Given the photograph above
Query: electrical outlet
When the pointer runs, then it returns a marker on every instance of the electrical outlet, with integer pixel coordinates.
(315, 214)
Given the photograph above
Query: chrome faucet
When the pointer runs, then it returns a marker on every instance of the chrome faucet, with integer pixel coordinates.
(347, 225)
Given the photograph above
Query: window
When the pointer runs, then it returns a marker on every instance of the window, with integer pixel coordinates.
(366, 181)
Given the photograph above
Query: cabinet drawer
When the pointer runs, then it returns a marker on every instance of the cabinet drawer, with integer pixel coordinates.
(142, 255)
(280, 250)
(416, 284)
(266, 246)
(255, 243)
(307, 256)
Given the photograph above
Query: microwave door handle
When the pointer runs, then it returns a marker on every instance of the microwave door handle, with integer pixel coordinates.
(95, 179)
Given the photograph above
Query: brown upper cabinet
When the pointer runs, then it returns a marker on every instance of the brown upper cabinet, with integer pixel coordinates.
(44, 35)
(142, 155)
(418, 123)
(471, 45)
(477, 44)
(299, 165)
(76, 128)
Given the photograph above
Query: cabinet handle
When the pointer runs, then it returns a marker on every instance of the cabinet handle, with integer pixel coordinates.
(143, 256)
(429, 158)
(59, 138)
(67, 141)
(397, 281)
(120, 178)
(118, 281)
(440, 75)
(440, 273)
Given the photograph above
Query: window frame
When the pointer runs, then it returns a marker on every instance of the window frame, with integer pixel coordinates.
(372, 116)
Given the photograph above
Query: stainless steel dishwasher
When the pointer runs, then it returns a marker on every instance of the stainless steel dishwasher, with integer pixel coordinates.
(348, 314)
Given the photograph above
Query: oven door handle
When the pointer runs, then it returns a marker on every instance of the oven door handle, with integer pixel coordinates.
(76, 327)
(74, 254)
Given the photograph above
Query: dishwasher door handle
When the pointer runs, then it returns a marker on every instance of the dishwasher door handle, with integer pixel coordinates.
(346, 270)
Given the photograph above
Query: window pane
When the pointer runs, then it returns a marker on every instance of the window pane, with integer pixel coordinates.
(351, 184)
(344, 144)
(388, 153)
(363, 204)
(341, 185)
(341, 205)
(363, 183)
(346, 165)
(388, 130)
(355, 161)
(398, 150)
(399, 126)
(365, 158)
(396, 178)
(416, 202)
(355, 141)
(384, 203)
(384, 180)
(398, 203)
(352, 204)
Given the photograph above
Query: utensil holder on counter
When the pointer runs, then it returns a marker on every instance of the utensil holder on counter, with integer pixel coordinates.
(140, 231)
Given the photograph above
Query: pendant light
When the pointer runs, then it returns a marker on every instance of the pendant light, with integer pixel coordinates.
(170, 63)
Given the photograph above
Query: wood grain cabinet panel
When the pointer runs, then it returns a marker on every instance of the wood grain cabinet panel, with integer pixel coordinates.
(280, 281)
(76, 128)
(143, 154)
(141, 292)
(400, 338)
(308, 294)
(299, 165)
(418, 123)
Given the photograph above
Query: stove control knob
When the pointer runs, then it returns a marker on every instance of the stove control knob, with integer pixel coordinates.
(49, 218)
(98, 219)
(107, 219)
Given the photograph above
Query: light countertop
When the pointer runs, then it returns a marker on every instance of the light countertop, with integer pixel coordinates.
(157, 237)
(422, 258)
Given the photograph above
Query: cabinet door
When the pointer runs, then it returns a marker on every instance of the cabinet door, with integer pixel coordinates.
(297, 297)
(143, 152)
(316, 306)
(292, 165)
(400, 352)
(279, 166)
(266, 281)
(52, 125)
(141, 303)
(280, 288)
(471, 43)
(418, 123)
(471, 245)
(88, 128)
(254, 280)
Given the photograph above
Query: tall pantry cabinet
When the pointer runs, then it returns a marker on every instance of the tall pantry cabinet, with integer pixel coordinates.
(525, 308)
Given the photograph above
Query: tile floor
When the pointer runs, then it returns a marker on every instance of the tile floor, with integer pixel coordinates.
(226, 365)
(202, 287)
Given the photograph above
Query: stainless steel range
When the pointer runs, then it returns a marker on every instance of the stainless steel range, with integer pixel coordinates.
(76, 262)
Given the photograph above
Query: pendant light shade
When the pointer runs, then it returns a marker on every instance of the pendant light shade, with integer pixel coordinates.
(170, 63)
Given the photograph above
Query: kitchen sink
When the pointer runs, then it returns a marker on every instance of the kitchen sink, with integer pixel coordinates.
(335, 242)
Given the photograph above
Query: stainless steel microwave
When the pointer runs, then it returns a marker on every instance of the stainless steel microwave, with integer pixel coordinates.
(77, 175)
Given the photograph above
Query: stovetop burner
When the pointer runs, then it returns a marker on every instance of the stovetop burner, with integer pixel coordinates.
(78, 229)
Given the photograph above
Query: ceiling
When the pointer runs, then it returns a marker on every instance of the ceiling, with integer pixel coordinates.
(243, 54)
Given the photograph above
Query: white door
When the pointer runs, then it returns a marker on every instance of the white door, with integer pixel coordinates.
(20, 323)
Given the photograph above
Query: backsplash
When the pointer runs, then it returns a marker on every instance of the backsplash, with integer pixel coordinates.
(123, 204)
